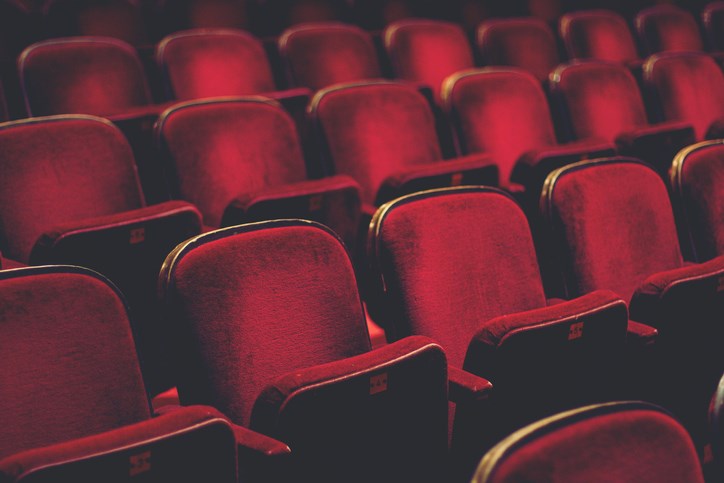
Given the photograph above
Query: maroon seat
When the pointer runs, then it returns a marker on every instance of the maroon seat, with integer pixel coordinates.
(239, 160)
(598, 34)
(527, 43)
(625, 442)
(504, 112)
(696, 178)
(281, 346)
(73, 401)
(613, 226)
(317, 55)
(667, 28)
(70, 194)
(618, 115)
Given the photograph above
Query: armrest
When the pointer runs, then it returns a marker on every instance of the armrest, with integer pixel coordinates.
(641, 335)
(133, 114)
(466, 387)
(657, 144)
(474, 169)
(197, 441)
(172, 219)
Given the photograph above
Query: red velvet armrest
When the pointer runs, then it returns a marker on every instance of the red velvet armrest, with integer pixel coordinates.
(196, 443)
(641, 335)
(474, 169)
(657, 144)
(466, 387)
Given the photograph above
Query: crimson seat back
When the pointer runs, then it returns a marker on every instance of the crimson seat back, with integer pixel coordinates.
(666, 27)
(620, 441)
(281, 345)
(526, 43)
(427, 51)
(318, 55)
(713, 20)
(597, 34)
(697, 177)
(687, 86)
(101, 76)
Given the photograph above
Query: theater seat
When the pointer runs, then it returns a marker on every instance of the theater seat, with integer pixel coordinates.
(613, 228)
(268, 327)
(73, 401)
(626, 442)
(317, 55)
(712, 18)
(696, 180)
(239, 160)
(69, 193)
(527, 43)
(667, 28)
(598, 34)
(601, 100)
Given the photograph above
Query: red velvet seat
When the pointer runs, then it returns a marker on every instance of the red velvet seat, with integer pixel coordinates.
(526, 43)
(665, 28)
(70, 194)
(382, 134)
(281, 346)
(601, 100)
(626, 442)
(687, 87)
(504, 112)
(697, 177)
(239, 160)
(73, 401)
(459, 265)
(317, 55)
(427, 51)
(712, 18)
(598, 34)
(612, 224)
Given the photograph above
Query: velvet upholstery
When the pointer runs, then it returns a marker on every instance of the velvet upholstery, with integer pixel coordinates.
(712, 18)
(666, 27)
(526, 43)
(318, 55)
(597, 34)
(688, 87)
(623, 441)
(376, 129)
(90, 75)
(503, 112)
(269, 328)
(427, 51)
(697, 177)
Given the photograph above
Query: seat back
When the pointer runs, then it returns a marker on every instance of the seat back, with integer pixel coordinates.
(318, 55)
(619, 441)
(70, 368)
(375, 129)
(503, 112)
(427, 51)
(686, 86)
(666, 27)
(526, 43)
(713, 20)
(600, 99)
(82, 75)
(604, 216)
(697, 177)
(597, 34)
(214, 62)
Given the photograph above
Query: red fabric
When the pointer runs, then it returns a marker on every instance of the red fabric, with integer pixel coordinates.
(427, 51)
(120, 19)
(374, 129)
(689, 87)
(613, 225)
(445, 275)
(697, 179)
(71, 368)
(214, 62)
(502, 112)
(597, 34)
(220, 150)
(59, 170)
(666, 27)
(527, 43)
(622, 443)
(318, 55)
(90, 75)
(250, 306)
